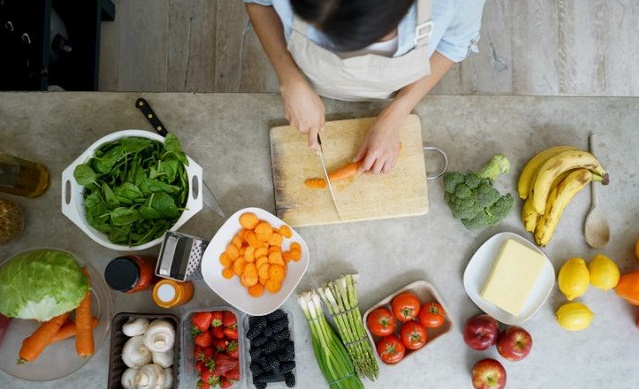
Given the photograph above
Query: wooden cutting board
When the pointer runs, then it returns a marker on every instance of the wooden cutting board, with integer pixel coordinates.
(402, 192)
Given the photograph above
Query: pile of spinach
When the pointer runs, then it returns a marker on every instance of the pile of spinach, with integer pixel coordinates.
(135, 188)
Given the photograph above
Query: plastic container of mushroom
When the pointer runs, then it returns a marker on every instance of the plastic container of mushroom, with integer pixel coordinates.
(145, 351)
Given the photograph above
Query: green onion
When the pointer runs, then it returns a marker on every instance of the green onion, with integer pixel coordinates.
(340, 296)
(331, 355)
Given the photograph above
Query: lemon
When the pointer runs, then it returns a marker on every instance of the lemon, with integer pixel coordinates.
(574, 316)
(604, 273)
(573, 279)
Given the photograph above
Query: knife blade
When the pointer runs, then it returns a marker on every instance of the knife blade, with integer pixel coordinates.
(207, 196)
(328, 182)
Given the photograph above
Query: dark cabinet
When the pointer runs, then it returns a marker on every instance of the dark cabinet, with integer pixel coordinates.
(51, 42)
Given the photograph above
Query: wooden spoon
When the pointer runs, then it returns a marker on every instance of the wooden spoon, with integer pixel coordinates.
(596, 228)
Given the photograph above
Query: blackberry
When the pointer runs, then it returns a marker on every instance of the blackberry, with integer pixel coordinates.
(255, 352)
(279, 325)
(272, 364)
(259, 341)
(259, 322)
(265, 377)
(259, 385)
(286, 367)
(270, 346)
(276, 315)
(287, 352)
(253, 333)
(285, 334)
(256, 368)
(268, 331)
(289, 379)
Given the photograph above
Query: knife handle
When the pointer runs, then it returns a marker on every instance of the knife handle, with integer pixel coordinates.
(150, 115)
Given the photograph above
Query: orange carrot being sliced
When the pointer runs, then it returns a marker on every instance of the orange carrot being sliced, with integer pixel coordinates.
(84, 344)
(68, 330)
(33, 346)
(344, 172)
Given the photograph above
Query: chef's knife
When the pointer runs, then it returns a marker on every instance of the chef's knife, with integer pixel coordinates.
(328, 182)
(207, 196)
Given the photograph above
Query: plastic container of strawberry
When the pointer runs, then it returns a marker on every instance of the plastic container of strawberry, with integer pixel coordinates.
(282, 372)
(194, 366)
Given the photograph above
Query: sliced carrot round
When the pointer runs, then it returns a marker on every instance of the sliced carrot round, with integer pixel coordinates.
(256, 290)
(276, 272)
(248, 220)
(273, 286)
(286, 231)
(228, 273)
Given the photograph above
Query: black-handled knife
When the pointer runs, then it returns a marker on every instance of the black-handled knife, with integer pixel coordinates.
(146, 109)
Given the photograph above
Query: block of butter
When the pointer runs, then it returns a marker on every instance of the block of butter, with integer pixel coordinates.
(513, 276)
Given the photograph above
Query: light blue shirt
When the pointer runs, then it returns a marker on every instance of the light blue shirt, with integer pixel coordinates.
(455, 33)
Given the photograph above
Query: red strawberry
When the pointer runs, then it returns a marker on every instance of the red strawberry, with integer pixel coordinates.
(233, 374)
(201, 321)
(226, 383)
(207, 376)
(232, 350)
(230, 333)
(220, 345)
(203, 340)
(202, 385)
(218, 316)
(229, 319)
(200, 366)
(218, 332)
(224, 363)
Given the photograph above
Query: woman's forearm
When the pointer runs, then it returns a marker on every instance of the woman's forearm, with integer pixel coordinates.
(269, 30)
(408, 97)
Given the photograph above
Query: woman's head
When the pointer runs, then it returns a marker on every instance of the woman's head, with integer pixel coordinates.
(352, 24)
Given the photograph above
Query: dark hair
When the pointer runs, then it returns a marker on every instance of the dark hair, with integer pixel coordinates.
(352, 24)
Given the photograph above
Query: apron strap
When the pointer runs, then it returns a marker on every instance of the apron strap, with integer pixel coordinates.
(424, 26)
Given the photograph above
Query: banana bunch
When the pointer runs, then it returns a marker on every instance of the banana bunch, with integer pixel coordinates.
(549, 181)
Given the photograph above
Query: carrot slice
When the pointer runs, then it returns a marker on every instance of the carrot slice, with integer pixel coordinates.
(249, 275)
(315, 183)
(261, 252)
(228, 273)
(276, 273)
(33, 346)
(264, 231)
(262, 280)
(238, 266)
(260, 261)
(232, 251)
(275, 239)
(274, 249)
(249, 254)
(276, 259)
(256, 290)
(273, 286)
(225, 260)
(248, 220)
(286, 256)
(286, 231)
(296, 246)
(263, 270)
(251, 238)
(237, 242)
(296, 255)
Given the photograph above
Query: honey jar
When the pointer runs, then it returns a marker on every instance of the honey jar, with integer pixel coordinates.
(169, 293)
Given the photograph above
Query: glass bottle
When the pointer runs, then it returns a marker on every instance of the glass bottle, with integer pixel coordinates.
(169, 293)
(131, 273)
(21, 177)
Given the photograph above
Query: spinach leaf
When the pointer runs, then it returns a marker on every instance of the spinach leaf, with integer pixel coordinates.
(85, 175)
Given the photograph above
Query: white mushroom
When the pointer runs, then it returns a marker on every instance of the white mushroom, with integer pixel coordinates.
(135, 354)
(128, 378)
(164, 359)
(168, 378)
(150, 376)
(160, 336)
(135, 327)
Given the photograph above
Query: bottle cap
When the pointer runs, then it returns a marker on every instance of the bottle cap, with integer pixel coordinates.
(122, 274)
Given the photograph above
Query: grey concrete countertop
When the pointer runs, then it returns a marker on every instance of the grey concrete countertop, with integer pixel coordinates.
(228, 135)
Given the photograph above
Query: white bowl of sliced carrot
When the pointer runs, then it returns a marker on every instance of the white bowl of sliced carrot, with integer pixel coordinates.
(255, 261)
(47, 350)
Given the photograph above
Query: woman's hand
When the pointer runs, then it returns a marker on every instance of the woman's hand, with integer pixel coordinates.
(304, 110)
(380, 149)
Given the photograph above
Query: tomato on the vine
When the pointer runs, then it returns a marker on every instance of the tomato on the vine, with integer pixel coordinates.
(391, 349)
(431, 315)
(405, 306)
(413, 335)
(381, 322)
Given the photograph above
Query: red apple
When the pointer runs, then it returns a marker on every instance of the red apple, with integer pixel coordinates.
(489, 374)
(514, 343)
(480, 332)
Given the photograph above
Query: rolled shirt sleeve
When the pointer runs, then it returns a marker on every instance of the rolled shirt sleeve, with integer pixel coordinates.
(462, 34)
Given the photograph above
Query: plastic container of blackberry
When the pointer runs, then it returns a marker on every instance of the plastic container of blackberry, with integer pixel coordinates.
(280, 365)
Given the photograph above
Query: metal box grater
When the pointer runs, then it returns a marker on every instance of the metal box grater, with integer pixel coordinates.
(180, 257)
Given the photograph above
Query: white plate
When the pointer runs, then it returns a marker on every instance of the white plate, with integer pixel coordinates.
(479, 268)
(232, 290)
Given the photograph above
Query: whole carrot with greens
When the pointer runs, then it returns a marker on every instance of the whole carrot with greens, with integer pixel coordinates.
(33, 346)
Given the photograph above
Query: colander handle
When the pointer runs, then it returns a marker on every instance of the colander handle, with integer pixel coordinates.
(69, 208)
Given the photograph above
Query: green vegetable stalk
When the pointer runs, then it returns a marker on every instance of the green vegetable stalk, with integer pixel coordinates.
(340, 296)
(330, 353)
(472, 198)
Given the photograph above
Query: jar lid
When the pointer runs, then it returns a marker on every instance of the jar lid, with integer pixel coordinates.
(122, 274)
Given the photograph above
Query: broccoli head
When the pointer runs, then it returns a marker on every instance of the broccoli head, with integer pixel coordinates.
(472, 198)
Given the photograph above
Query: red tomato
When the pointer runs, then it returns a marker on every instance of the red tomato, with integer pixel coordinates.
(431, 315)
(391, 349)
(381, 322)
(413, 335)
(405, 306)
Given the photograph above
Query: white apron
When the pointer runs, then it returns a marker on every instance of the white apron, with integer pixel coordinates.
(365, 77)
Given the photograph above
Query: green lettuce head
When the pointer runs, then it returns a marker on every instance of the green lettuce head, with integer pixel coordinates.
(41, 284)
